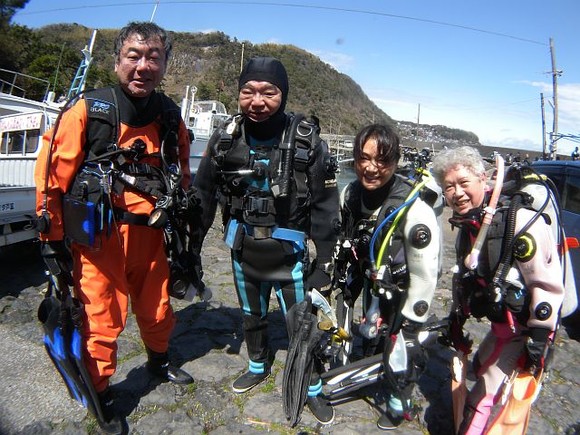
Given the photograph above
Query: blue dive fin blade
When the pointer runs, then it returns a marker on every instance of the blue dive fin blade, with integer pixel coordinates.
(64, 349)
(55, 348)
(91, 397)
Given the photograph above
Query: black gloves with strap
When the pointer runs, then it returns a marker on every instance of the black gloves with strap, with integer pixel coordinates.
(537, 348)
(58, 260)
(319, 279)
(456, 336)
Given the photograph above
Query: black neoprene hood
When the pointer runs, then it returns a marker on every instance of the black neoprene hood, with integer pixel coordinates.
(265, 69)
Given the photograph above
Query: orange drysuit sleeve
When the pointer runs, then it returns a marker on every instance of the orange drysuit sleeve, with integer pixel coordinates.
(65, 159)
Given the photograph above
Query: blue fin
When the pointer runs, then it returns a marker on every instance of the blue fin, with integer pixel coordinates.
(63, 343)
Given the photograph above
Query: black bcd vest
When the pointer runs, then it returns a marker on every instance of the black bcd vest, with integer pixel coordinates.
(238, 165)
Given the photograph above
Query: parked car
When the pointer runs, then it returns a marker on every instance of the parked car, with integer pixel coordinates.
(566, 176)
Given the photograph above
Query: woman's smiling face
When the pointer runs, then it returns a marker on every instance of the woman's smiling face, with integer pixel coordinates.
(463, 189)
(372, 172)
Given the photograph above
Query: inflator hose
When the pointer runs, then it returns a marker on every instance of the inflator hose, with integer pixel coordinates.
(286, 167)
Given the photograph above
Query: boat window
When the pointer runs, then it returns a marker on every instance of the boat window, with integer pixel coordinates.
(32, 139)
(4, 143)
(15, 142)
(19, 142)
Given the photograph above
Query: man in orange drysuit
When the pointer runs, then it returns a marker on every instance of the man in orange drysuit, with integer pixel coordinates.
(127, 258)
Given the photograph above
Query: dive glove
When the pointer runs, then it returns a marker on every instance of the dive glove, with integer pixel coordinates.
(320, 280)
(186, 278)
(58, 259)
(456, 336)
(537, 348)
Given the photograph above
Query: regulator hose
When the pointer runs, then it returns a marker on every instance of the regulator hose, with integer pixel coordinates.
(281, 186)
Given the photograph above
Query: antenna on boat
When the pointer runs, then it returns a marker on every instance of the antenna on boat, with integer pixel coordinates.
(187, 102)
(58, 67)
(154, 11)
(78, 83)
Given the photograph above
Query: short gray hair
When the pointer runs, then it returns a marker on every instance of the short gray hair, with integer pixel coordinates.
(147, 31)
(447, 159)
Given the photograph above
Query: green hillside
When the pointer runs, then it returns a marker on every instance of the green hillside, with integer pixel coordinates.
(211, 62)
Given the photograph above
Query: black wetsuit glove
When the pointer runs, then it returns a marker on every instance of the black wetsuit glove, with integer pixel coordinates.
(537, 348)
(58, 260)
(456, 336)
(320, 280)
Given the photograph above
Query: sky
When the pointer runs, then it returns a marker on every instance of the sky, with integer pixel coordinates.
(481, 66)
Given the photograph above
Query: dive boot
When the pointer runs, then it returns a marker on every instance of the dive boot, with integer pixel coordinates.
(112, 422)
(322, 410)
(394, 415)
(249, 380)
(158, 365)
(389, 422)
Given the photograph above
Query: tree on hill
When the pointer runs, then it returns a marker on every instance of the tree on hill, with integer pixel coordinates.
(8, 8)
(10, 36)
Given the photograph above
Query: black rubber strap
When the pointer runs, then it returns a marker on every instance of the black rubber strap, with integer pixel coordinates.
(123, 216)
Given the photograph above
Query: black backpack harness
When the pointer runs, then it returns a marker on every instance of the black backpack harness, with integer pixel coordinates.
(485, 297)
(87, 206)
(289, 193)
(108, 168)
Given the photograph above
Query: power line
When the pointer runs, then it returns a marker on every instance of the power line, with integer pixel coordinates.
(302, 6)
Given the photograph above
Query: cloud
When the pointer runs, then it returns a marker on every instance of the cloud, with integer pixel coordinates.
(339, 61)
(503, 127)
(568, 105)
(517, 143)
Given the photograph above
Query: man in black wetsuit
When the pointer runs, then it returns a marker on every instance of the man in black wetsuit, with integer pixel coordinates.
(274, 178)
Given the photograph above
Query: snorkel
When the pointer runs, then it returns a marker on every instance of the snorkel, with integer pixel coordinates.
(472, 259)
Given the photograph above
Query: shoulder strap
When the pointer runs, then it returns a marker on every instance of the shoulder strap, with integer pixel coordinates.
(306, 138)
(398, 194)
(307, 133)
(496, 240)
(103, 129)
(170, 114)
(170, 120)
(350, 204)
(223, 136)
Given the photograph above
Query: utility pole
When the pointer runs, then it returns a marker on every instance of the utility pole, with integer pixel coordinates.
(242, 59)
(417, 129)
(544, 150)
(555, 74)
(241, 68)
